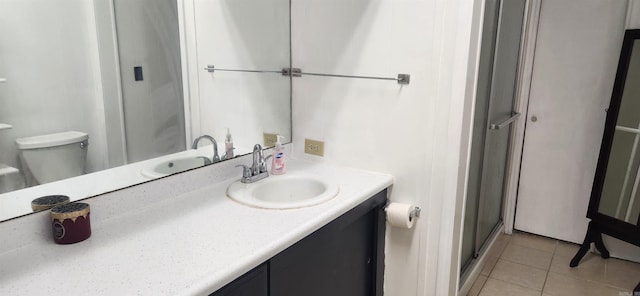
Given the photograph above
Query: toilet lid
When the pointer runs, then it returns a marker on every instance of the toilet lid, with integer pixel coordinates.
(51, 140)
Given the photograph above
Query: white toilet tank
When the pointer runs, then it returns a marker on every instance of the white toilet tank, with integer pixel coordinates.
(54, 157)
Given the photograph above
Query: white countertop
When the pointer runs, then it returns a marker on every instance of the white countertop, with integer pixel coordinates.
(190, 244)
(18, 202)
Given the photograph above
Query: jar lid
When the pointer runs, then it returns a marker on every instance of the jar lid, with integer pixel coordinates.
(49, 201)
(70, 211)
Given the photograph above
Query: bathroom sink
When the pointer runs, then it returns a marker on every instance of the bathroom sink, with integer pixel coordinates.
(283, 192)
(173, 166)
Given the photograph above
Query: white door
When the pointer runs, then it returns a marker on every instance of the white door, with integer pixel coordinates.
(576, 57)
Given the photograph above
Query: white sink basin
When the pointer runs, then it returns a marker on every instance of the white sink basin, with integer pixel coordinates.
(173, 166)
(283, 192)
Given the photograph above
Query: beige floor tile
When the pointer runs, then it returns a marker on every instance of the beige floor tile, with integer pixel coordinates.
(521, 275)
(497, 248)
(504, 237)
(566, 249)
(534, 241)
(489, 264)
(495, 287)
(477, 286)
(592, 267)
(622, 274)
(494, 253)
(563, 285)
(499, 245)
(524, 259)
(527, 256)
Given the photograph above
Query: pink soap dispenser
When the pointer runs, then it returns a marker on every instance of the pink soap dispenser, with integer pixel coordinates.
(278, 161)
(228, 145)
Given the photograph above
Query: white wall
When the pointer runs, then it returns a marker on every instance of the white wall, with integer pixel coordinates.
(418, 132)
(49, 55)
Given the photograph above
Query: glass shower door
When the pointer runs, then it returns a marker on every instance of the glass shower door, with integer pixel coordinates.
(480, 120)
(501, 117)
(492, 124)
(151, 79)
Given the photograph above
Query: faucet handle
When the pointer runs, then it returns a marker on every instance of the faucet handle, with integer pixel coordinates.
(246, 171)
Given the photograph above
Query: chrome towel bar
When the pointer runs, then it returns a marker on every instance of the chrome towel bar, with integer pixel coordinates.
(402, 79)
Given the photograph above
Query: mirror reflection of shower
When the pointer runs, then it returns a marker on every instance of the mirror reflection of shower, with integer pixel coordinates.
(69, 109)
(150, 71)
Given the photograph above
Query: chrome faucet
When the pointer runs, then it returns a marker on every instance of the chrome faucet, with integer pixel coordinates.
(215, 157)
(258, 169)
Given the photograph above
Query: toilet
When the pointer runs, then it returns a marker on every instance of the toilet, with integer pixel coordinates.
(53, 157)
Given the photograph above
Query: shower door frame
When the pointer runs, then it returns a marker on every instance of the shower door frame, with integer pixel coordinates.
(515, 140)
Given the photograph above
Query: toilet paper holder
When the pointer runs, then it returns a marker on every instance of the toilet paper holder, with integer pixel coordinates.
(415, 213)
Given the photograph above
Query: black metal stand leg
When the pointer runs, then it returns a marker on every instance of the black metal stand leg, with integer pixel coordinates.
(600, 245)
(593, 236)
(583, 251)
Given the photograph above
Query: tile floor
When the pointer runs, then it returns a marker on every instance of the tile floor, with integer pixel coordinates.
(524, 264)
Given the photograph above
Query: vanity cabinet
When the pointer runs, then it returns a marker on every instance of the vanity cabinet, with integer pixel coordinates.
(252, 283)
(345, 257)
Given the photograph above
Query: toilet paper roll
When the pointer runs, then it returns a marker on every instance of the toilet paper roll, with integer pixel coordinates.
(399, 215)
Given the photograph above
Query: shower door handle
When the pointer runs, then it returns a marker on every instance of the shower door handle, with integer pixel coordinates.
(497, 126)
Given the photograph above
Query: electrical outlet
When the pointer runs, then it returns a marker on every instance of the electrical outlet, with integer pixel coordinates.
(269, 140)
(314, 147)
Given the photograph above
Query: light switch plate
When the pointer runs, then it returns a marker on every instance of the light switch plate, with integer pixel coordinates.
(314, 147)
(269, 140)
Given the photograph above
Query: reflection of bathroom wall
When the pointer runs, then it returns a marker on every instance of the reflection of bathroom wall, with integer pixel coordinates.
(148, 37)
(48, 53)
(246, 35)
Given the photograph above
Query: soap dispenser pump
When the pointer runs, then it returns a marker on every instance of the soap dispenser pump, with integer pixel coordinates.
(278, 161)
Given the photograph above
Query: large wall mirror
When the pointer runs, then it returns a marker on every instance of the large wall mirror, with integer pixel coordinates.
(614, 207)
(104, 94)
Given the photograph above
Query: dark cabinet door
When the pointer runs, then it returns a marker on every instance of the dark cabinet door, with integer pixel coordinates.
(252, 283)
(343, 258)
